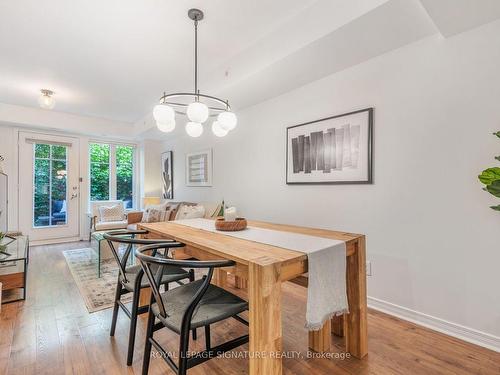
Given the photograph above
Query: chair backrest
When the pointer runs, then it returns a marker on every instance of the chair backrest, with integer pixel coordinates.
(128, 237)
(94, 206)
(148, 262)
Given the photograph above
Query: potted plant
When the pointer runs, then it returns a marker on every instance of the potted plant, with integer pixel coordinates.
(491, 179)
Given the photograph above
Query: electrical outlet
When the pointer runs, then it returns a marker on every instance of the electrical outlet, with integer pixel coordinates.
(368, 268)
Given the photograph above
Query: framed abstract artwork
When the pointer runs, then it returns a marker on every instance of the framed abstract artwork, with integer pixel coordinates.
(199, 168)
(333, 150)
(167, 175)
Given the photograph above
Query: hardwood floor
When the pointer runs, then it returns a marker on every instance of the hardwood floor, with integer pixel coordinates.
(52, 333)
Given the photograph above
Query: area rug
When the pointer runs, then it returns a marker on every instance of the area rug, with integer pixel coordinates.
(98, 293)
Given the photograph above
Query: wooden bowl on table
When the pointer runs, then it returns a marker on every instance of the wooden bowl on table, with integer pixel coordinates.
(231, 226)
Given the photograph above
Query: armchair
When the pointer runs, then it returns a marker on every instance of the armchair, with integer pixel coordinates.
(96, 222)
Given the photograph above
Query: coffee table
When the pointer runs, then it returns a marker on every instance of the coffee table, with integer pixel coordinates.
(101, 247)
(103, 250)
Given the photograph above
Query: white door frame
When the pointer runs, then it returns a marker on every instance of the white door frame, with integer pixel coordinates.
(63, 233)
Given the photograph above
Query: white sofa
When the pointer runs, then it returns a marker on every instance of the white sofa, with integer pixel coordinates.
(96, 224)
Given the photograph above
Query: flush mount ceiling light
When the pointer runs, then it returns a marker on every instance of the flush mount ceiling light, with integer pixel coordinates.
(196, 106)
(46, 99)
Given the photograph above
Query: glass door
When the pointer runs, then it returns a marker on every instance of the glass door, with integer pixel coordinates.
(48, 186)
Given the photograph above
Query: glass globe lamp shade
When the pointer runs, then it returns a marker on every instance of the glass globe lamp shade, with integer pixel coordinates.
(194, 129)
(197, 112)
(163, 114)
(166, 127)
(217, 130)
(227, 120)
(46, 101)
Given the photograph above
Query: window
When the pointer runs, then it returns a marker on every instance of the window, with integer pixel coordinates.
(50, 186)
(112, 172)
(124, 173)
(99, 172)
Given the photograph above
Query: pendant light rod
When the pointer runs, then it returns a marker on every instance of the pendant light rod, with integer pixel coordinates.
(196, 15)
(196, 57)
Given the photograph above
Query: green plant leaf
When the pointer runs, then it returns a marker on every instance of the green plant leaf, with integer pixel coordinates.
(494, 188)
(497, 134)
(489, 175)
(496, 208)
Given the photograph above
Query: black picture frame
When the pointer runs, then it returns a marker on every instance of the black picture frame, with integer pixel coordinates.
(369, 150)
(167, 175)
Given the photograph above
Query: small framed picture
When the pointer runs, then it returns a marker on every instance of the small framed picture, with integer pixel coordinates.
(167, 175)
(199, 168)
(333, 150)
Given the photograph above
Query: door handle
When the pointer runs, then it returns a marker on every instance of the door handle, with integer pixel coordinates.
(74, 195)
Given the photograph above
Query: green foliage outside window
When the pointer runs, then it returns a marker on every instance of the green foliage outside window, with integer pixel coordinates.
(100, 156)
(124, 174)
(49, 185)
(99, 171)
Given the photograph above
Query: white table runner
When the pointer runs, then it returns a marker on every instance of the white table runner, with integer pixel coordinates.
(326, 293)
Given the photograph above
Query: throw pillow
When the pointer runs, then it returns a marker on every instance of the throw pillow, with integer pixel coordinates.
(160, 207)
(190, 212)
(111, 213)
(173, 207)
(153, 215)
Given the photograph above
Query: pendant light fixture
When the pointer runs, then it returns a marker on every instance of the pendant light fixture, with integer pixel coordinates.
(197, 107)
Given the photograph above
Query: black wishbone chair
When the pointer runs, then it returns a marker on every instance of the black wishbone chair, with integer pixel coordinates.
(131, 280)
(187, 307)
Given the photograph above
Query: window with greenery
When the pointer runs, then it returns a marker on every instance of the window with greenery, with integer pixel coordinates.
(112, 172)
(50, 187)
(124, 173)
(99, 172)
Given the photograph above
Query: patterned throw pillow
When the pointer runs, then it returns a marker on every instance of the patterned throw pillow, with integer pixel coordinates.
(111, 213)
(153, 215)
(173, 207)
(190, 212)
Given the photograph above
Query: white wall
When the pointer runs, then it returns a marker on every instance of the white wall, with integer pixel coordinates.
(432, 240)
(8, 140)
(150, 176)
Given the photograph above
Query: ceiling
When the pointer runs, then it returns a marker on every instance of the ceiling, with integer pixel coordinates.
(112, 59)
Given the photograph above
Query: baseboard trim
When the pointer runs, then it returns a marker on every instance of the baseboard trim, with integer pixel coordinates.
(54, 241)
(448, 328)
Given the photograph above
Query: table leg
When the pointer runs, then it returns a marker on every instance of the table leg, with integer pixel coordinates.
(240, 282)
(338, 325)
(220, 278)
(356, 321)
(321, 341)
(264, 295)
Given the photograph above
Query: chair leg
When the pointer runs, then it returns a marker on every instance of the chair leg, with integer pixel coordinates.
(207, 338)
(133, 325)
(191, 279)
(183, 352)
(147, 346)
(115, 309)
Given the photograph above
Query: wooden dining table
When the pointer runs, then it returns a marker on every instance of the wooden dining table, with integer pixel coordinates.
(263, 268)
